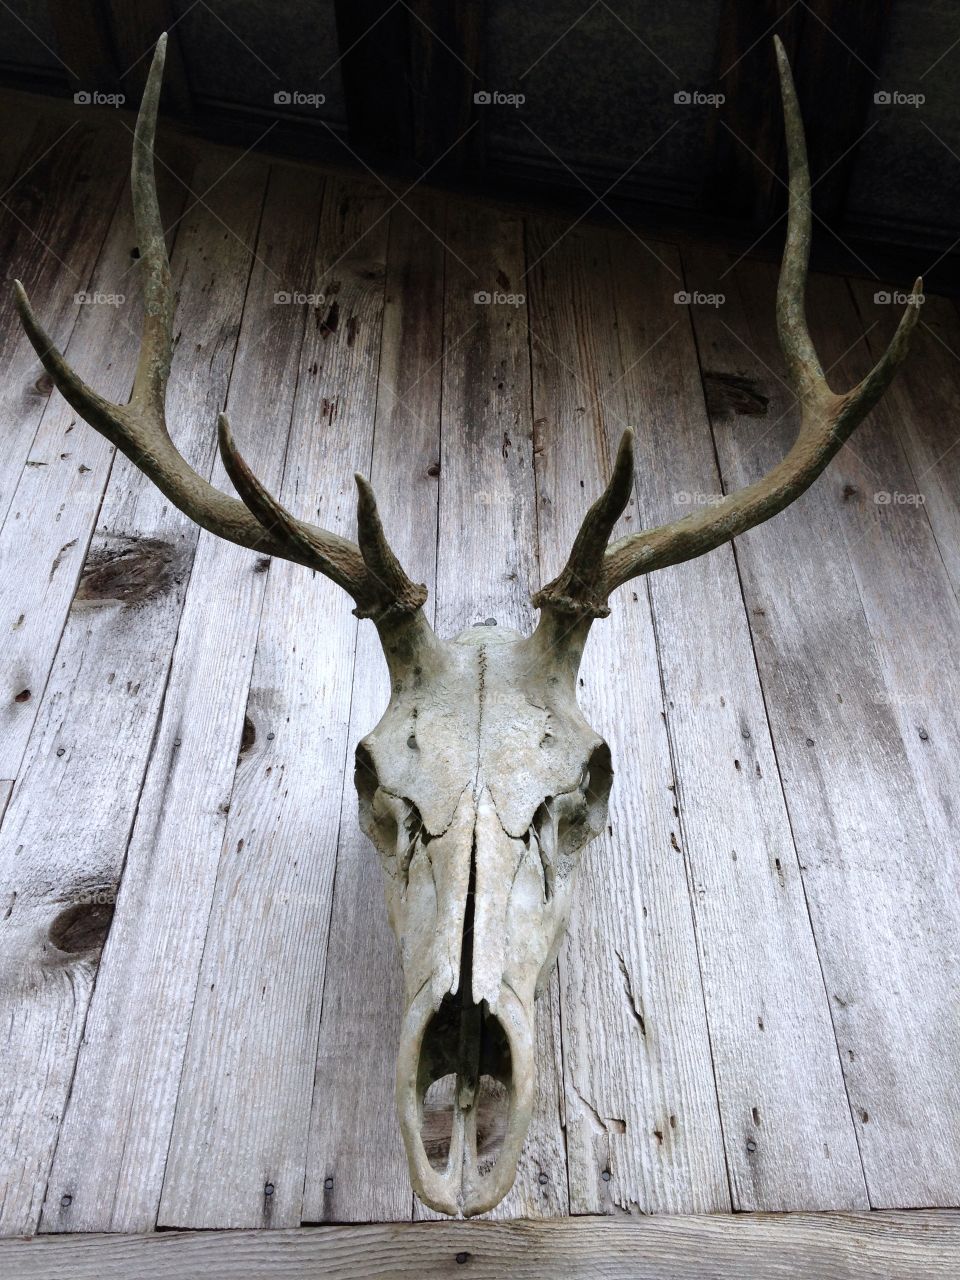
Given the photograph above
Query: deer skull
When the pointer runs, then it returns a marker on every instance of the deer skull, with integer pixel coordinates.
(479, 787)
(483, 782)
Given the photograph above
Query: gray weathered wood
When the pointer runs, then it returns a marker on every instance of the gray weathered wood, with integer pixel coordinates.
(487, 514)
(149, 972)
(923, 402)
(356, 1167)
(882, 898)
(788, 1135)
(908, 597)
(881, 1246)
(643, 1127)
(54, 221)
(243, 1116)
(488, 540)
(96, 723)
(5, 789)
(57, 499)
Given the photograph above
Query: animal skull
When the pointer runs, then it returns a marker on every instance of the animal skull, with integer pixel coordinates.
(479, 787)
(483, 782)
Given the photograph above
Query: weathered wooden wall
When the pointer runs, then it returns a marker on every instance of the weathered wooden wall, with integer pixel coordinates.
(757, 1005)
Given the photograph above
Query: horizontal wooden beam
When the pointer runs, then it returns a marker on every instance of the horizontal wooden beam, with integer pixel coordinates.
(917, 1245)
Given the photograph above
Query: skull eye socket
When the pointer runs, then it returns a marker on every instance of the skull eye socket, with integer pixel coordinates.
(595, 784)
(565, 822)
(392, 822)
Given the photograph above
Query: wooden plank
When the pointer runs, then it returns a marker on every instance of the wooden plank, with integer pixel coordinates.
(446, 45)
(356, 1166)
(487, 554)
(57, 500)
(5, 789)
(53, 224)
(789, 1139)
(147, 981)
(887, 1246)
(882, 897)
(837, 69)
(744, 135)
(923, 400)
(643, 1128)
(908, 597)
(398, 61)
(242, 1123)
(372, 38)
(95, 728)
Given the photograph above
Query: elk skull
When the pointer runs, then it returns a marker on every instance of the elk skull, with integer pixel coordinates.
(483, 782)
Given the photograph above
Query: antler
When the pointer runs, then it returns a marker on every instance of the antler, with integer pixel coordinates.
(827, 419)
(369, 572)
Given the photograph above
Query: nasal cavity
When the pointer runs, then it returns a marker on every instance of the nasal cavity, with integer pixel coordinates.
(492, 1105)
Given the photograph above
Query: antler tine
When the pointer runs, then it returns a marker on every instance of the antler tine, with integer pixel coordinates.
(139, 428)
(579, 587)
(156, 347)
(826, 421)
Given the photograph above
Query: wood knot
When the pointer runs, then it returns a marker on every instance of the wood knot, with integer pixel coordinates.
(728, 394)
(82, 928)
(129, 571)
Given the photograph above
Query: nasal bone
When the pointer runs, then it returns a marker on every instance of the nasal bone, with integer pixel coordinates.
(482, 1028)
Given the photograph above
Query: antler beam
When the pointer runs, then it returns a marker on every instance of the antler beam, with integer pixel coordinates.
(372, 576)
(827, 419)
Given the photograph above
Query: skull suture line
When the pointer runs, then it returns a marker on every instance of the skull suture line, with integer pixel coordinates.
(482, 783)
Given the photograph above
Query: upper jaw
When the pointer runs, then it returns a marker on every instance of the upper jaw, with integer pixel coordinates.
(501, 1045)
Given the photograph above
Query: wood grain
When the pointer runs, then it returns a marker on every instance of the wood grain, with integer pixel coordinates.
(356, 1166)
(882, 896)
(881, 1246)
(643, 1131)
(61, 860)
(54, 220)
(57, 500)
(923, 403)
(238, 1150)
(487, 555)
(788, 1135)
